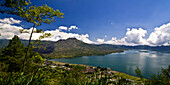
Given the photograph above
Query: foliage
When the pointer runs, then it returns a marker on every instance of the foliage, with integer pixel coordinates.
(34, 72)
(162, 78)
(32, 14)
(74, 48)
(139, 73)
(40, 14)
(74, 76)
(11, 59)
(13, 54)
(14, 7)
(39, 31)
(36, 78)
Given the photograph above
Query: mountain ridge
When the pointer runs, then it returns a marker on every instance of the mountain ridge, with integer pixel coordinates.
(72, 47)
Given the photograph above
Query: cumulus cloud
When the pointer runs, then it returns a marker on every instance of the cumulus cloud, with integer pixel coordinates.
(134, 36)
(10, 21)
(100, 40)
(68, 29)
(57, 35)
(160, 36)
(115, 41)
(63, 28)
(72, 27)
(9, 30)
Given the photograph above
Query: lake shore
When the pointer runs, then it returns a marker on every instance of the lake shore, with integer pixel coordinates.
(75, 56)
(120, 74)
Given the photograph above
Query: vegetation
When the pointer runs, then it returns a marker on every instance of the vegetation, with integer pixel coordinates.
(31, 14)
(40, 71)
(74, 48)
(19, 65)
(11, 58)
(13, 54)
(165, 49)
(162, 78)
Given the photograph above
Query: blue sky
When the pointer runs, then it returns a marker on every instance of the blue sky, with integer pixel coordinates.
(111, 18)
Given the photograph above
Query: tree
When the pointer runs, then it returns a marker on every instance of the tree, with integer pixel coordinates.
(32, 14)
(14, 7)
(162, 78)
(37, 16)
(13, 54)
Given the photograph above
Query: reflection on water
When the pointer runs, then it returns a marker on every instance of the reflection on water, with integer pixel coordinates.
(148, 61)
(126, 52)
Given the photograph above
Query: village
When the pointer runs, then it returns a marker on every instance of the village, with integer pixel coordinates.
(95, 74)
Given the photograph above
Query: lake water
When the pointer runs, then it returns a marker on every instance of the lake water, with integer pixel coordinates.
(149, 62)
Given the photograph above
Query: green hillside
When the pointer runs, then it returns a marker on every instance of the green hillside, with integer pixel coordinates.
(74, 48)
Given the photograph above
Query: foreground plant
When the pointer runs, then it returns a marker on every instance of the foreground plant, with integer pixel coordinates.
(162, 78)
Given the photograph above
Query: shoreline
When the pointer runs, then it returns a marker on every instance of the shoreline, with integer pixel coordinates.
(65, 57)
(117, 73)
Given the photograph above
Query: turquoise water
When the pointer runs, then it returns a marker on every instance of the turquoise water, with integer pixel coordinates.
(149, 62)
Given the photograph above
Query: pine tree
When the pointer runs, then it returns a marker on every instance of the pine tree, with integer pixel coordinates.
(30, 13)
(13, 54)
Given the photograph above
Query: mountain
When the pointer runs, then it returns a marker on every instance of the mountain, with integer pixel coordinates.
(75, 48)
(4, 43)
(165, 49)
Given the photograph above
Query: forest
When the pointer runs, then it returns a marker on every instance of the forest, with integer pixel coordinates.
(22, 65)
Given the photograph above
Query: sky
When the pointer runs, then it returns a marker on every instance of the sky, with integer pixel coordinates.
(122, 22)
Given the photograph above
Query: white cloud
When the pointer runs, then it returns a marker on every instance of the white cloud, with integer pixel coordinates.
(72, 27)
(26, 36)
(8, 31)
(160, 36)
(135, 36)
(100, 40)
(57, 34)
(63, 28)
(10, 21)
(114, 41)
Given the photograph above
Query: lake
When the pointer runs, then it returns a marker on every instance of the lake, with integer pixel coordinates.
(149, 62)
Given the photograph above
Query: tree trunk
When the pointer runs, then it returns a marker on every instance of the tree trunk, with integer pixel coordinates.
(26, 55)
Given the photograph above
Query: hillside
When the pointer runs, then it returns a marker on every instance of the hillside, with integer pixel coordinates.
(75, 48)
(4, 42)
(165, 49)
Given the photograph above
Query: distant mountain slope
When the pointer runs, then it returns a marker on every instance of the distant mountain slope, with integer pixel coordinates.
(165, 49)
(4, 43)
(75, 48)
